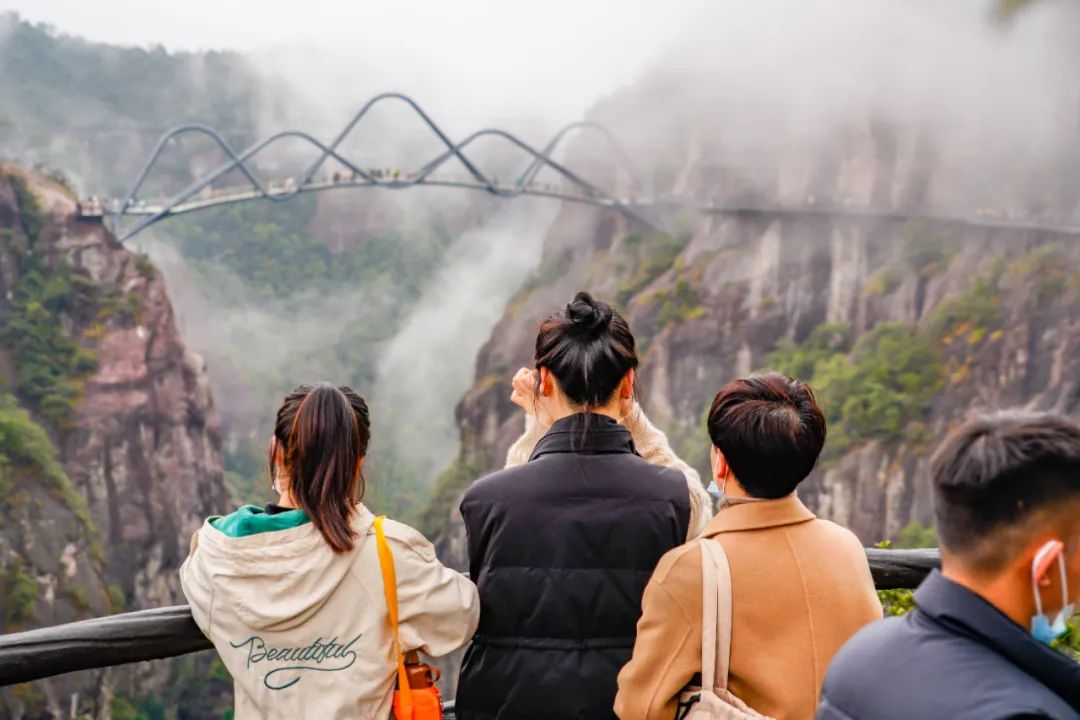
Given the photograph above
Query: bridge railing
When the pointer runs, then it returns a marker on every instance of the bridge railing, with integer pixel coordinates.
(171, 631)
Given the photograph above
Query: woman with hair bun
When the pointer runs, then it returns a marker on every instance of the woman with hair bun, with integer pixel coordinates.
(563, 540)
(292, 595)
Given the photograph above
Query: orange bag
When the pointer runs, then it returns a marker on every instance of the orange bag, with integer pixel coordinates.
(416, 697)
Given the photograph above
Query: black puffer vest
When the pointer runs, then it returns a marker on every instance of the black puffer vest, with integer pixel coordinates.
(561, 549)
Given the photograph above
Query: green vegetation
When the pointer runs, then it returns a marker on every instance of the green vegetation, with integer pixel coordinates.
(245, 469)
(117, 601)
(895, 602)
(145, 266)
(1007, 10)
(925, 251)
(680, 304)
(49, 363)
(880, 390)
(31, 217)
(916, 535)
(67, 99)
(883, 282)
(271, 257)
(201, 686)
(970, 314)
(453, 481)
(125, 708)
(273, 250)
(799, 360)
(965, 321)
(645, 257)
(1043, 269)
(26, 451)
(76, 598)
(18, 595)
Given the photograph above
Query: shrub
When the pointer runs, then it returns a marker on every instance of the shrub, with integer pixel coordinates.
(49, 363)
(144, 266)
(895, 602)
(31, 216)
(883, 282)
(1044, 269)
(117, 600)
(25, 446)
(800, 360)
(651, 255)
(916, 535)
(895, 375)
(680, 304)
(18, 595)
(972, 311)
(926, 252)
(880, 390)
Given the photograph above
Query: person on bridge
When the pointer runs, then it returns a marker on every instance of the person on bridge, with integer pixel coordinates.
(799, 586)
(979, 645)
(292, 595)
(562, 541)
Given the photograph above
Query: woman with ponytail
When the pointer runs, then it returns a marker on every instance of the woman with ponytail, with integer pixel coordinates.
(292, 594)
(563, 541)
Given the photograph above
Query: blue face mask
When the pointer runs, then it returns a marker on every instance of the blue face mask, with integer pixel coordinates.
(715, 492)
(1043, 628)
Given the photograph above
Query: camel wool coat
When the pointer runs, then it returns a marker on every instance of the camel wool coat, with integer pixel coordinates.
(800, 588)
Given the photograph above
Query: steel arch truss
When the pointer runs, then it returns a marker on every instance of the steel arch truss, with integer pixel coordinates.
(574, 187)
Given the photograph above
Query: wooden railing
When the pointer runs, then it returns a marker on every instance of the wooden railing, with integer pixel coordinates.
(167, 632)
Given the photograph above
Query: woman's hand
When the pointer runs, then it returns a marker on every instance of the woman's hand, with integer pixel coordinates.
(524, 393)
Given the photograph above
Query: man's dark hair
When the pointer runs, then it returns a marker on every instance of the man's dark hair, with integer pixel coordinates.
(995, 474)
(771, 432)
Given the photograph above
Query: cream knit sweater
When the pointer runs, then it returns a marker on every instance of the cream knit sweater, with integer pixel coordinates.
(650, 443)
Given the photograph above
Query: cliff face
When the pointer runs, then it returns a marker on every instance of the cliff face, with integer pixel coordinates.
(905, 323)
(996, 309)
(91, 351)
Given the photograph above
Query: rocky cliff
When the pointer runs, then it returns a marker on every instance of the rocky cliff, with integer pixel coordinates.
(905, 322)
(111, 444)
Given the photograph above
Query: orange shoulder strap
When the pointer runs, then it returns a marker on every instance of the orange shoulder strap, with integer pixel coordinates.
(386, 563)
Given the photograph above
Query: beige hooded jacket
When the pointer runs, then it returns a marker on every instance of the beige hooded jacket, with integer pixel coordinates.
(304, 632)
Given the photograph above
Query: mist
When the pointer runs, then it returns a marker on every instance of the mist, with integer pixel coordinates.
(430, 363)
(779, 102)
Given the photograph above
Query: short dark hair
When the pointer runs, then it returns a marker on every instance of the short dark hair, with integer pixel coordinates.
(771, 432)
(994, 474)
(588, 348)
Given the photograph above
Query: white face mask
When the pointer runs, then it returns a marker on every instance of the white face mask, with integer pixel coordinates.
(1043, 628)
(719, 494)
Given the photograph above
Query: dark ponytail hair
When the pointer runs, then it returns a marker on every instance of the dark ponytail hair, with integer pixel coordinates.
(322, 433)
(588, 348)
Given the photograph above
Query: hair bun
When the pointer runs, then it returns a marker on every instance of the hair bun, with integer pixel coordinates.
(588, 318)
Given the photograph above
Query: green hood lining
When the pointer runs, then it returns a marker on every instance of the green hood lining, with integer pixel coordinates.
(253, 520)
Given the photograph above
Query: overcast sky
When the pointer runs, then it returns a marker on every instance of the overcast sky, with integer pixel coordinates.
(553, 57)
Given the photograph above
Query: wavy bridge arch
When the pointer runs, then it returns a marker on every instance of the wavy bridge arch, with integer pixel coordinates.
(573, 187)
(577, 188)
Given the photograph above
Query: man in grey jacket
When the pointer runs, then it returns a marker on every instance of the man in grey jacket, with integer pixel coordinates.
(1007, 505)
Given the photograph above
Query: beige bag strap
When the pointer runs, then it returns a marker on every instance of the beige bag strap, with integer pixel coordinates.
(716, 616)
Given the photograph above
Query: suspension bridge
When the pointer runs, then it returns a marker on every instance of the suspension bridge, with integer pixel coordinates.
(568, 185)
